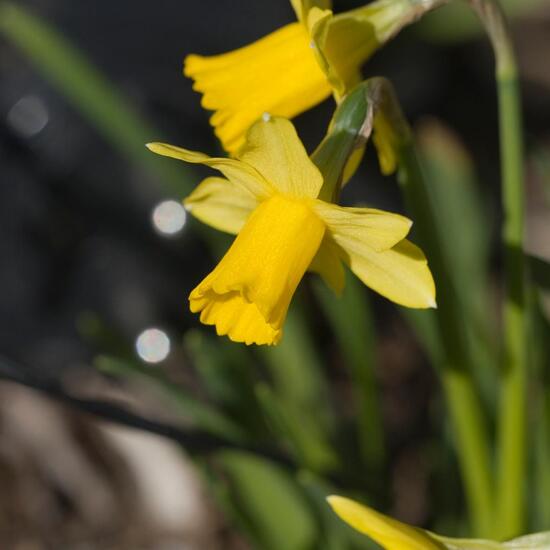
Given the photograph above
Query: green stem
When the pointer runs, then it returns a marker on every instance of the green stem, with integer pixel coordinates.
(513, 412)
(539, 328)
(512, 442)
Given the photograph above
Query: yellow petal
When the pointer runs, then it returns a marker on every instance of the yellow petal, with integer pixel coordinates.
(355, 228)
(297, 6)
(248, 294)
(274, 149)
(353, 164)
(386, 142)
(278, 74)
(328, 265)
(346, 41)
(401, 273)
(386, 531)
(302, 7)
(334, 46)
(221, 204)
(239, 173)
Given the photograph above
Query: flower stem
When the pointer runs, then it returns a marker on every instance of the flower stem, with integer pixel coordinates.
(512, 442)
(395, 145)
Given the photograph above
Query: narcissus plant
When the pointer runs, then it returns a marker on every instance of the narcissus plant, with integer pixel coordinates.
(269, 199)
(297, 66)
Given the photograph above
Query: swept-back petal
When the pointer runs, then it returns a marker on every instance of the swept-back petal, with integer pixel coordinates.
(239, 173)
(386, 531)
(401, 273)
(328, 265)
(274, 149)
(355, 228)
(221, 204)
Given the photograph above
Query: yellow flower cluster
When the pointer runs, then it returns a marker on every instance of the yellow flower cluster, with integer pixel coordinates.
(294, 68)
(268, 196)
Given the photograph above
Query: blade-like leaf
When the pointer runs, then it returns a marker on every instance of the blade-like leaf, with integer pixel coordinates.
(298, 430)
(270, 503)
(457, 23)
(540, 271)
(351, 321)
(199, 413)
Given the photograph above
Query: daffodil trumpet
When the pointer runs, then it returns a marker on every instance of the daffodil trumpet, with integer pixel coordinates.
(269, 199)
(297, 66)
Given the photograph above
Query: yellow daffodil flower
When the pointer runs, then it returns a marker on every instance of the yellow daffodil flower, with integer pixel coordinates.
(297, 66)
(268, 198)
(394, 535)
(386, 531)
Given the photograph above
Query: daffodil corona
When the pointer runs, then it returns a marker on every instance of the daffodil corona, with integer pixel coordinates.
(296, 67)
(269, 199)
(277, 74)
(248, 294)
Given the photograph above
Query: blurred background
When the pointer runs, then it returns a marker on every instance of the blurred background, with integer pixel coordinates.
(123, 423)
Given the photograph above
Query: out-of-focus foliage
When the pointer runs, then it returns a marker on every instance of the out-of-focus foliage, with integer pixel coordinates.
(456, 22)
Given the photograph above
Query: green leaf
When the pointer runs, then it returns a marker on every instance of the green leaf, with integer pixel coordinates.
(350, 318)
(455, 193)
(275, 511)
(296, 369)
(297, 387)
(228, 375)
(540, 160)
(200, 414)
(539, 332)
(300, 431)
(456, 21)
(540, 271)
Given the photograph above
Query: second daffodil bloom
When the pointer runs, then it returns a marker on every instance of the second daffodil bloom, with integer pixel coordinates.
(297, 66)
(395, 535)
(388, 532)
(268, 198)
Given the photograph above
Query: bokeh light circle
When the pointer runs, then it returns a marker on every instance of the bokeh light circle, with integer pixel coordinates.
(153, 345)
(169, 217)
